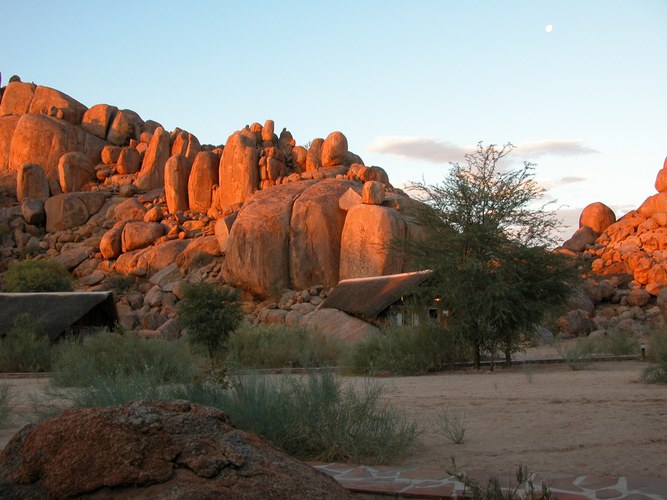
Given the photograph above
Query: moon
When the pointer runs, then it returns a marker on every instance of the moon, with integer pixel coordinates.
(549, 28)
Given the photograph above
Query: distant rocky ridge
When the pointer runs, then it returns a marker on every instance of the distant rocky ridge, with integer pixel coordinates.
(629, 258)
(110, 194)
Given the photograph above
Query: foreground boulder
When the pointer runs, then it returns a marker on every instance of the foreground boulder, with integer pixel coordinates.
(153, 450)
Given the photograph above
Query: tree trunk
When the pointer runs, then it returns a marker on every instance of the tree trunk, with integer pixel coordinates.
(477, 359)
(508, 357)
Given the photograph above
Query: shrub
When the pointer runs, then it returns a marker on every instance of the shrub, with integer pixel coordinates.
(314, 417)
(452, 426)
(23, 349)
(5, 405)
(209, 315)
(109, 356)
(37, 275)
(407, 351)
(493, 490)
(120, 283)
(280, 346)
(657, 354)
(618, 343)
(578, 356)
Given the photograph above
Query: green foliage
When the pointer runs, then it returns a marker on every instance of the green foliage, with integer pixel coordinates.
(579, 355)
(37, 275)
(210, 315)
(408, 350)
(452, 426)
(316, 418)
(111, 356)
(23, 350)
(657, 354)
(618, 343)
(280, 346)
(493, 490)
(5, 404)
(120, 283)
(486, 242)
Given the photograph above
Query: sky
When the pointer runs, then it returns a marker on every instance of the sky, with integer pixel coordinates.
(413, 85)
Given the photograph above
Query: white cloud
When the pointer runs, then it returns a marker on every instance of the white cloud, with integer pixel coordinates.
(437, 150)
(419, 148)
(553, 147)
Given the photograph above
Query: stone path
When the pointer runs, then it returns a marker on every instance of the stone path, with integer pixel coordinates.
(431, 483)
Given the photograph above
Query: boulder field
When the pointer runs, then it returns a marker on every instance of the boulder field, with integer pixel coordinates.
(129, 206)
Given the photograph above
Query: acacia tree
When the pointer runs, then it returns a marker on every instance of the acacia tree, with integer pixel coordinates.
(487, 241)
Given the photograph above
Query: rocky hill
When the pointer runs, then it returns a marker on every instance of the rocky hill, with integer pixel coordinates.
(628, 260)
(129, 206)
(112, 196)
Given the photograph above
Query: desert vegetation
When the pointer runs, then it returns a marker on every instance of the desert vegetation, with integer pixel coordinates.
(37, 275)
(657, 355)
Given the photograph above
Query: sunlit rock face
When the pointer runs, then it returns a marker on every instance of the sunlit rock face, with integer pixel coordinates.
(127, 197)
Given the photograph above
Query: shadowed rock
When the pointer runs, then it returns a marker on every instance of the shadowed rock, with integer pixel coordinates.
(153, 450)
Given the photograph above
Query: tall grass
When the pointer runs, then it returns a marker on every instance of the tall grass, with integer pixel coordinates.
(657, 354)
(5, 404)
(409, 350)
(313, 417)
(37, 275)
(111, 356)
(281, 346)
(23, 349)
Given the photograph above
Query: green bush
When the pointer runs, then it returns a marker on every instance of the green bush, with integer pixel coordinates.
(111, 356)
(23, 350)
(210, 315)
(37, 275)
(281, 346)
(618, 343)
(314, 417)
(5, 405)
(657, 354)
(578, 356)
(408, 350)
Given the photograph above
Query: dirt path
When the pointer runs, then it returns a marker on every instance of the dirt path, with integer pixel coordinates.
(599, 421)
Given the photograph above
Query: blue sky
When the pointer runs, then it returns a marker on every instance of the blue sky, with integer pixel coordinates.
(412, 84)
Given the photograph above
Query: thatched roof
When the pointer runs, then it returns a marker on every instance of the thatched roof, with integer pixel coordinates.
(56, 312)
(368, 297)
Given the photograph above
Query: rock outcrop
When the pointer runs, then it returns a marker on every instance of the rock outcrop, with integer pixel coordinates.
(152, 450)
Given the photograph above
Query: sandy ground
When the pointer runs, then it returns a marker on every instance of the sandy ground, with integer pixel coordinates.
(598, 421)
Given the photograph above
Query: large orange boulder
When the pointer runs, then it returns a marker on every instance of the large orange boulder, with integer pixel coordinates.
(653, 204)
(315, 231)
(299, 155)
(239, 169)
(16, 98)
(44, 139)
(126, 125)
(257, 257)
(76, 172)
(153, 449)
(203, 177)
(141, 234)
(365, 243)
(129, 161)
(314, 156)
(96, 120)
(129, 209)
(334, 150)
(111, 244)
(597, 216)
(151, 175)
(31, 182)
(661, 181)
(52, 102)
(7, 127)
(71, 210)
(176, 173)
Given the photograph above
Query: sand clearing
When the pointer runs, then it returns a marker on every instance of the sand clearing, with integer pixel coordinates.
(599, 421)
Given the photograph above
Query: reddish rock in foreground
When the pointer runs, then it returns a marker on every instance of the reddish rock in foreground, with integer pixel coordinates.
(156, 450)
